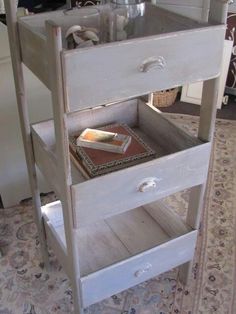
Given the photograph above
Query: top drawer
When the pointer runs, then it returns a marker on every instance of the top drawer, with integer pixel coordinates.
(114, 72)
(169, 51)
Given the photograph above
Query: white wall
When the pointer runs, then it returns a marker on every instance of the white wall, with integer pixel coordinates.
(14, 184)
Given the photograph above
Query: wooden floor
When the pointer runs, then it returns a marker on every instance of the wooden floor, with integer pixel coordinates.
(226, 112)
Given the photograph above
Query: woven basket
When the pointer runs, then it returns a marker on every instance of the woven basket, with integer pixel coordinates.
(165, 98)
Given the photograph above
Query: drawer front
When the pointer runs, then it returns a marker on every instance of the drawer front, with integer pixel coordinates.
(128, 273)
(135, 186)
(119, 71)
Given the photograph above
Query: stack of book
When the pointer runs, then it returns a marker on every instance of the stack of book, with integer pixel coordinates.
(96, 153)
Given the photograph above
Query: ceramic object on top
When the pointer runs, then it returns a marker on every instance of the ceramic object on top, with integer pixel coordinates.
(80, 36)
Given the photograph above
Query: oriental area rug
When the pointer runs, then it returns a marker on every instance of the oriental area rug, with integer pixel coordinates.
(26, 288)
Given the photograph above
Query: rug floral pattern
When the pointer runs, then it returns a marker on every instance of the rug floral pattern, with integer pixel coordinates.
(25, 287)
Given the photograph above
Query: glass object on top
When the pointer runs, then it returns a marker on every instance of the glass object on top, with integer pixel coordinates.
(126, 19)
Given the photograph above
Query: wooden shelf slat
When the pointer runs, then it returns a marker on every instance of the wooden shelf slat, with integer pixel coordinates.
(112, 240)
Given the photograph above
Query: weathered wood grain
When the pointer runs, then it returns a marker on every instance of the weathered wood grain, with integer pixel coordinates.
(164, 131)
(124, 249)
(54, 48)
(137, 269)
(124, 112)
(121, 188)
(46, 162)
(197, 10)
(137, 230)
(24, 121)
(106, 249)
(123, 79)
(34, 52)
(169, 220)
(218, 14)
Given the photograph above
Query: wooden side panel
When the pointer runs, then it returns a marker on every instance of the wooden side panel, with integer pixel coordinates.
(137, 230)
(54, 226)
(45, 133)
(181, 3)
(94, 68)
(33, 52)
(125, 112)
(84, 16)
(195, 9)
(46, 162)
(137, 269)
(218, 11)
(162, 130)
(119, 191)
(43, 138)
(57, 246)
(170, 221)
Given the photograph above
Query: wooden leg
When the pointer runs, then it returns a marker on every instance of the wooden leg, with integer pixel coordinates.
(193, 219)
(54, 44)
(39, 218)
(195, 205)
(76, 283)
(185, 272)
(205, 133)
(24, 119)
(77, 307)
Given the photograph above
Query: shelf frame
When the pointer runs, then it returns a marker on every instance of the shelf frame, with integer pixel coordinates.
(217, 13)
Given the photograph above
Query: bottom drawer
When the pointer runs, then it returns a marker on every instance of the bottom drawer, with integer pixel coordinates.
(122, 251)
(152, 250)
(128, 273)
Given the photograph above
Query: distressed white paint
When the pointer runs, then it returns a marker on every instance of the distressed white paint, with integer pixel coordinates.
(185, 55)
(107, 250)
(192, 93)
(14, 184)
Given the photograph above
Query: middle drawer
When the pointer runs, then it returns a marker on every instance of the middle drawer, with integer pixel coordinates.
(181, 162)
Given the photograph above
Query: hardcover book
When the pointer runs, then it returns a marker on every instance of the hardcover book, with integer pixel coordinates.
(93, 162)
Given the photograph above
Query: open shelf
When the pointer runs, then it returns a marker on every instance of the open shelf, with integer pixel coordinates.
(154, 21)
(143, 64)
(125, 239)
(181, 161)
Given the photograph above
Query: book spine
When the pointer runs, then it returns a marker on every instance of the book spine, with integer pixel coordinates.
(104, 147)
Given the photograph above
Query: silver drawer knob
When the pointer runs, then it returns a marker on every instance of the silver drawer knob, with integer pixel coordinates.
(151, 63)
(147, 185)
(142, 271)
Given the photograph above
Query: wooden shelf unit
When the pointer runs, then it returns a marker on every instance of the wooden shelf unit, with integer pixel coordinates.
(116, 224)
